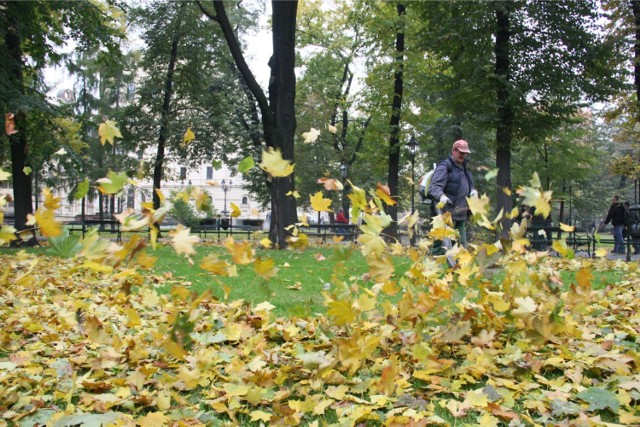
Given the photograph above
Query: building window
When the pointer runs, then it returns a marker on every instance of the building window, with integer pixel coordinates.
(183, 173)
(209, 172)
(245, 200)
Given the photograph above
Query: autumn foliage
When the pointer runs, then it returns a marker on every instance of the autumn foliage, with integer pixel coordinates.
(90, 339)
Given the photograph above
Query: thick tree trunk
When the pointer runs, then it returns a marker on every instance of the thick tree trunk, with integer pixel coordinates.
(166, 110)
(394, 124)
(22, 191)
(282, 94)
(504, 132)
(278, 112)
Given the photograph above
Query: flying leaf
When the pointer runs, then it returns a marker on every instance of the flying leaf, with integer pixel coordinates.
(332, 129)
(4, 175)
(108, 131)
(188, 136)
(246, 164)
(27, 170)
(274, 164)
(113, 183)
(311, 136)
(491, 174)
(82, 190)
(241, 253)
(383, 192)
(330, 184)
(235, 211)
(50, 201)
(265, 268)
(294, 194)
(10, 124)
(319, 203)
(266, 243)
(183, 241)
(567, 228)
(49, 227)
(341, 312)
(60, 152)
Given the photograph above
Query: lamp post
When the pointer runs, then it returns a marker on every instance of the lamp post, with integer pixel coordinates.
(225, 187)
(413, 148)
(344, 173)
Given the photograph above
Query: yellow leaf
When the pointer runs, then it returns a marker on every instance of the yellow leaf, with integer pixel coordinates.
(188, 136)
(337, 392)
(153, 419)
(266, 243)
(567, 228)
(294, 194)
(479, 205)
(332, 129)
(560, 246)
(27, 170)
(584, 277)
(183, 241)
(108, 131)
(264, 306)
(50, 202)
(241, 253)
(235, 211)
(265, 268)
(311, 136)
(274, 164)
(7, 234)
(319, 203)
(213, 264)
(383, 192)
(341, 312)
(260, 416)
(601, 253)
(330, 184)
(4, 175)
(49, 227)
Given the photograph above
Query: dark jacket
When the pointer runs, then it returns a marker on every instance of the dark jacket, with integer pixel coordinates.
(616, 215)
(456, 183)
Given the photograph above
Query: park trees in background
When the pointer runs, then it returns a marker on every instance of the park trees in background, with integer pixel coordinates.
(540, 61)
(30, 33)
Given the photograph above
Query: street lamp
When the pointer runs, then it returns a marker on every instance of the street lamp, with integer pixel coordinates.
(344, 173)
(225, 187)
(413, 149)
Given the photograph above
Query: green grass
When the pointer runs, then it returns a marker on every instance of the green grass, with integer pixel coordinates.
(295, 289)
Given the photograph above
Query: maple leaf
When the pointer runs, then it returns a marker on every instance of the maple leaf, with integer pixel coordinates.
(332, 129)
(27, 170)
(241, 253)
(293, 194)
(341, 312)
(479, 205)
(113, 183)
(599, 398)
(383, 192)
(319, 203)
(265, 268)
(50, 201)
(274, 164)
(10, 124)
(235, 210)
(246, 164)
(311, 136)
(330, 184)
(49, 227)
(4, 175)
(183, 241)
(108, 131)
(82, 190)
(188, 136)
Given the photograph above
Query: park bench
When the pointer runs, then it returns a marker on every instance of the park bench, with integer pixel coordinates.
(110, 226)
(348, 231)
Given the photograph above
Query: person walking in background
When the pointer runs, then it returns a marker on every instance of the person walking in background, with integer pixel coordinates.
(341, 219)
(629, 229)
(450, 185)
(616, 216)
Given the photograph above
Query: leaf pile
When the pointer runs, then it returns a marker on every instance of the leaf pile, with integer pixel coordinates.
(90, 340)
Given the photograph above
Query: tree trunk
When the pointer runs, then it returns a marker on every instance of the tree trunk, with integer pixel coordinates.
(282, 94)
(278, 112)
(22, 191)
(166, 109)
(504, 132)
(635, 7)
(394, 138)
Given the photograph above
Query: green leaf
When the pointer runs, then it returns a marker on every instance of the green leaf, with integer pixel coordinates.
(599, 398)
(83, 189)
(216, 164)
(113, 183)
(246, 164)
(65, 246)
